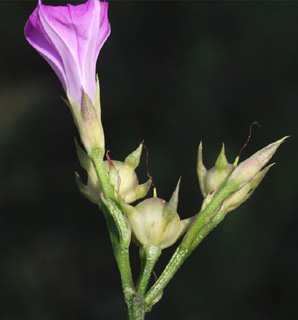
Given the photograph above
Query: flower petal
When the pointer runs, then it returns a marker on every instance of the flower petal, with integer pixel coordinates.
(70, 39)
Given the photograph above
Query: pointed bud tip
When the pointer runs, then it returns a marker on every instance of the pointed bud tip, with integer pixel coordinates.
(87, 108)
(201, 170)
(176, 191)
(133, 159)
(178, 183)
(280, 141)
(249, 168)
(171, 207)
(222, 162)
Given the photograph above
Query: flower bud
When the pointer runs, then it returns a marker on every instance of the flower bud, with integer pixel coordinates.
(124, 179)
(155, 221)
(242, 179)
(248, 169)
(237, 198)
(214, 178)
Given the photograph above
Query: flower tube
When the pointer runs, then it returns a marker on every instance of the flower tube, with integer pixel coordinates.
(69, 38)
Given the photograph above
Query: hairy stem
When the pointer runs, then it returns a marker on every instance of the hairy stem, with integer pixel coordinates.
(149, 256)
(120, 235)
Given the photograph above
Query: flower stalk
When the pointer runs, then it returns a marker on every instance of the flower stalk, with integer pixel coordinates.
(120, 237)
(149, 256)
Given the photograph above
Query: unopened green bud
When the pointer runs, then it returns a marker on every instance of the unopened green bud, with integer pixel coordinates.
(238, 197)
(214, 178)
(242, 179)
(123, 178)
(248, 169)
(155, 221)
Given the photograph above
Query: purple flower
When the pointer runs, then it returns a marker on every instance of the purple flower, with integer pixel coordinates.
(70, 39)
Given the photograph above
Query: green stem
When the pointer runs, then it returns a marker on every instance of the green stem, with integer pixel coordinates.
(206, 215)
(149, 256)
(120, 235)
(136, 307)
(134, 302)
(174, 264)
(121, 254)
(97, 156)
(207, 229)
(109, 198)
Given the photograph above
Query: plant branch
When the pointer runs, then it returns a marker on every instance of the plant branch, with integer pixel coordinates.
(204, 223)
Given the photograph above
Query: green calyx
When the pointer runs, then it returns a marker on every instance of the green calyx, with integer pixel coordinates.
(213, 179)
(243, 178)
(87, 117)
(123, 178)
(121, 175)
(155, 221)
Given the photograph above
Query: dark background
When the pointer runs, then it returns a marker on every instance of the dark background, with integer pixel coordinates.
(172, 73)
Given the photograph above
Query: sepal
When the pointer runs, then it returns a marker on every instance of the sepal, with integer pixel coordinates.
(87, 117)
(170, 209)
(133, 159)
(123, 178)
(237, 198)
(213, 179)
(201, 170)
(155, 221)
(86, 190)
(92, 189)
(249, 168)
